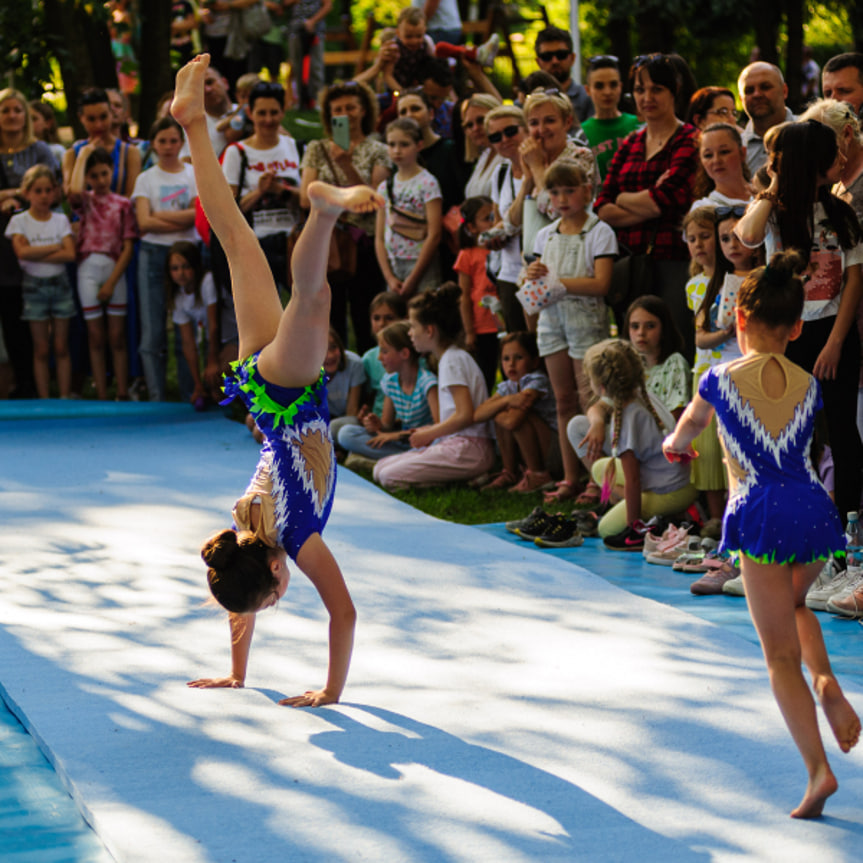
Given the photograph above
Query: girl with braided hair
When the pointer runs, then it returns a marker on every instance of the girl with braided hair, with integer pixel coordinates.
(637, 472)
(779, 517)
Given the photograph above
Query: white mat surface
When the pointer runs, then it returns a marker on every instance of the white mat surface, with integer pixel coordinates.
(501, 706)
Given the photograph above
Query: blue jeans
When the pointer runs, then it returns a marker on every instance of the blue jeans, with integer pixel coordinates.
(152, 310)
(354, 438)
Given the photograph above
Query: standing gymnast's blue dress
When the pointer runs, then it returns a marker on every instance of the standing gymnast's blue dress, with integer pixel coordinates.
(778, 511)
(295, 479)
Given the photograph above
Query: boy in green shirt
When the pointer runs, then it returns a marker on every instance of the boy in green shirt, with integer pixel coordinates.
(608, 127)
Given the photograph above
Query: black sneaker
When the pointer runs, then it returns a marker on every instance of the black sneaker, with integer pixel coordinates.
(536, 524)
(563, 534)
(536, 513)
(629, 539)
(586, 521)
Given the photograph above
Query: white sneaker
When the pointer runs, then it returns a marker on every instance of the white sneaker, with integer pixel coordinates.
(734, 586)
(486, 52)
(831, 582)
(667, 556)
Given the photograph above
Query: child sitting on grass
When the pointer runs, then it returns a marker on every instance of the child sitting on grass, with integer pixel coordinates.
(637, 472)
(410, 399)
(524, 414)
(455, 448)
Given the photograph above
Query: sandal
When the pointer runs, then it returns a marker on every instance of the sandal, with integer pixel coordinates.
(564, 490)
(533, 481)
(590, 498)
(503, 480)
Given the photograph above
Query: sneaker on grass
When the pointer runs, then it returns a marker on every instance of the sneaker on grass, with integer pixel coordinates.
(562, 534)
(629, 539)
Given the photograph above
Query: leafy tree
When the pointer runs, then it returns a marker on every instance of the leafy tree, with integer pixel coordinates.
(26, 45)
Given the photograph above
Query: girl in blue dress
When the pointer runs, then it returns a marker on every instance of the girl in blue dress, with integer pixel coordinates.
(779, 517)
(279, 377)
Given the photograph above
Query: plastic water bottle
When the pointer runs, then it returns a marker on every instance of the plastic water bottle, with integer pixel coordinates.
(854, 541)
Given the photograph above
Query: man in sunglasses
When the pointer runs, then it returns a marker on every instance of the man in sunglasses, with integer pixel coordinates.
(555, 56)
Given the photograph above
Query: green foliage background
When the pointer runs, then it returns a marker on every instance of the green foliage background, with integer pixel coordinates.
(716, 36)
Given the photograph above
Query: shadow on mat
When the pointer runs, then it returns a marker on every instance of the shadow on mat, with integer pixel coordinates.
(592, 829)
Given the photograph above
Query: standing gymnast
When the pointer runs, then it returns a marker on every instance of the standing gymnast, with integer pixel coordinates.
(279, 377)
(779, 517)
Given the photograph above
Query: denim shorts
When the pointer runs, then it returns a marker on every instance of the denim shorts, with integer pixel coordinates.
(47, 297)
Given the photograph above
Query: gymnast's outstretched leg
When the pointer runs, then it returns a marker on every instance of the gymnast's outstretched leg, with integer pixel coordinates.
(281, 353)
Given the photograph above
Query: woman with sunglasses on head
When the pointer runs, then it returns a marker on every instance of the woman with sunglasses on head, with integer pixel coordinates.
(723, 175)
(264, 173)
(648, 187)
(799, 211)
(365, 162)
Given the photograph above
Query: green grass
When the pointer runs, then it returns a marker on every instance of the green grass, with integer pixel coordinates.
(458, 503)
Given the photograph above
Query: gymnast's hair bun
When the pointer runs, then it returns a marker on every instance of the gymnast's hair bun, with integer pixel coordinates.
(220, 549)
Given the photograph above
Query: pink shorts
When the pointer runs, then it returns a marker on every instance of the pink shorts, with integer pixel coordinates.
(449, 460)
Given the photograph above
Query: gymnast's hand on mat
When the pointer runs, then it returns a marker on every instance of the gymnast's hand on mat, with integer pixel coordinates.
(216, 683)
(310, 699)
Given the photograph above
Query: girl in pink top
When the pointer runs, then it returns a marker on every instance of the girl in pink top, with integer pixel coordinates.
(106, 236)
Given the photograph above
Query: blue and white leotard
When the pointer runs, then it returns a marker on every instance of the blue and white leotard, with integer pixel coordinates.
(297, 468)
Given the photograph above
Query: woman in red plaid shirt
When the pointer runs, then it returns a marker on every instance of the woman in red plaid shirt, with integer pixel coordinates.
(648, 187)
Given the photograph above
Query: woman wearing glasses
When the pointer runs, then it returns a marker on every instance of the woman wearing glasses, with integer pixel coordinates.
(264, 174)
(364, 162)
(477, 151)
(506, 128)
(648, 187)
(711, 105)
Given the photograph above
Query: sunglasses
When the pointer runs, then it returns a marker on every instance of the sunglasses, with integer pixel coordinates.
(548, 56)
(726, 212)
(509, 131)
(642, 59)
(602, 58)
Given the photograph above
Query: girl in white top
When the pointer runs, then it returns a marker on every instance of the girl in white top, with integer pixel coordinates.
(42, 241)
(270, 190)
(193, 305)
(580, 250)
(455, 448)
(408, 231)
(163, 199)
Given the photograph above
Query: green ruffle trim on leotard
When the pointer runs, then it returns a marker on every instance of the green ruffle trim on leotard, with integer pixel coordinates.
(768, 559)
(242, 379)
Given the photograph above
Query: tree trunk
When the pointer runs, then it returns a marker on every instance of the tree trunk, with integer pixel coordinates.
(794, 58)
(855, 18)
(87, 60)
(156, 74)
(765, 19)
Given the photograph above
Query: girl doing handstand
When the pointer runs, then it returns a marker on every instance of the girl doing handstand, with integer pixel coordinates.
(279, 378)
